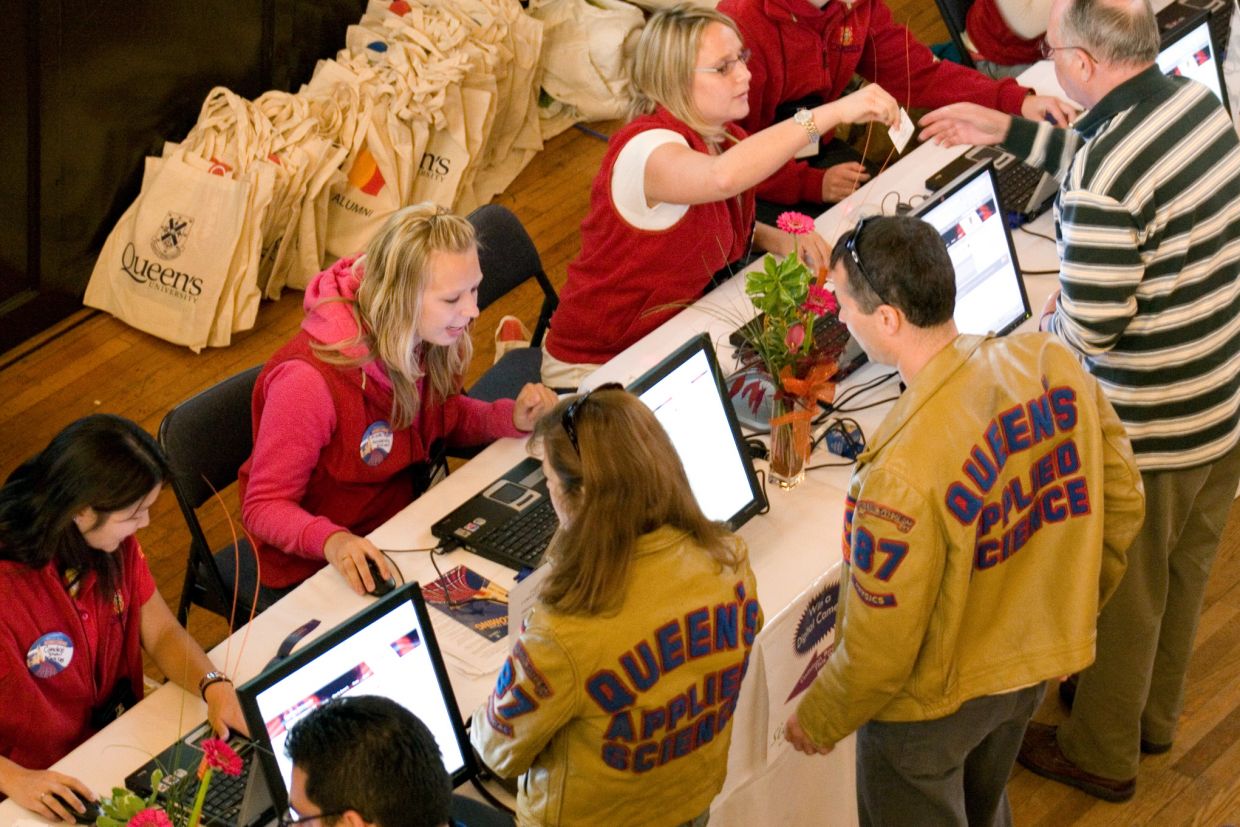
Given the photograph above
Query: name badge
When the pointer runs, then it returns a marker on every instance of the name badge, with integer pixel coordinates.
(48, 656)
(376, 443)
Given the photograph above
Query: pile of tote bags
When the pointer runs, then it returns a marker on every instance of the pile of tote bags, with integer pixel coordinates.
(430, 100)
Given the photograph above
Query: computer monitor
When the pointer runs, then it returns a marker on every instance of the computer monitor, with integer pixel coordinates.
(1187, 51)
(686, 393)
(387, 649)
(990, 294)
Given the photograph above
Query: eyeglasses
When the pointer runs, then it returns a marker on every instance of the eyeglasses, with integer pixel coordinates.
(1048, 51)
(725, 68)
(288, 819)
(851, 246)
(569, 418)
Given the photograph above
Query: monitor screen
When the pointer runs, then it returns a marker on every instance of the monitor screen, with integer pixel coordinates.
(1187, 51)
(389, 650)
(990, 295)
(686, 395)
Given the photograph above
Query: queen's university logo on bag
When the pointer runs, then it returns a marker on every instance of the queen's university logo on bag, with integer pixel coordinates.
(169, 241)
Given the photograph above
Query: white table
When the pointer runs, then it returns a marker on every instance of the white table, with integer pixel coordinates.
(790, 547)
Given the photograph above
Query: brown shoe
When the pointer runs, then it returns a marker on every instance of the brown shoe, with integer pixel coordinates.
(1040, 754)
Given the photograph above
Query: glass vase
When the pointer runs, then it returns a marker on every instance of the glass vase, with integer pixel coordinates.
(787, 461)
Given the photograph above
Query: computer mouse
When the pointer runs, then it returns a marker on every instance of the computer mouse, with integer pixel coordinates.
(88, 817)
(382, 586)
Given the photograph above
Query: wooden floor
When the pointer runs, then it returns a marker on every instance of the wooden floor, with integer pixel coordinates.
(93, 363)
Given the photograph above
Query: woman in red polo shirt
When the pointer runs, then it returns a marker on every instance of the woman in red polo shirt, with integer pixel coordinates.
(80, 606)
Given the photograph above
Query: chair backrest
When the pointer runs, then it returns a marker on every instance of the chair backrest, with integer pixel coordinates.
(206, 439)
(509, 259)
(954, 13)
(208, 436)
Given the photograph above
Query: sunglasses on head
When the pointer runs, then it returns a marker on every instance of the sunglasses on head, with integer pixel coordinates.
(851, 245)
(569, 418)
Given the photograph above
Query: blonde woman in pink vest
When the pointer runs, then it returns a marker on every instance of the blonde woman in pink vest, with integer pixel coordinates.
(351, 415)
(673, 202)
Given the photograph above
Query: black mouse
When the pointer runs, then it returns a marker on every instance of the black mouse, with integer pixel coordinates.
(88, 817)
(382, 586)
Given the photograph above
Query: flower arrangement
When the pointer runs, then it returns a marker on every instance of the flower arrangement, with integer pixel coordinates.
(127, 808)
(791, 298)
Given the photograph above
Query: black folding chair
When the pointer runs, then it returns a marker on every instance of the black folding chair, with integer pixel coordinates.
(954, 13)
(206, 439)
(509, 259)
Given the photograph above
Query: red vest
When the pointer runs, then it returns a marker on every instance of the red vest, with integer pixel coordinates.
(993, 39)
(344, 487)
(618, 287)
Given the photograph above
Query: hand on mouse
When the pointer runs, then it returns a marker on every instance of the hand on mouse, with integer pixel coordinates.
(348, 553)
(48, 794)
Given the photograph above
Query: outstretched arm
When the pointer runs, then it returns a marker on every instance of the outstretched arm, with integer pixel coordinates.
(676, 174)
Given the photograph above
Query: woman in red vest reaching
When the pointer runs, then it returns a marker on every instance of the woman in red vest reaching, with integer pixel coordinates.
(672, 203)
(352, 414)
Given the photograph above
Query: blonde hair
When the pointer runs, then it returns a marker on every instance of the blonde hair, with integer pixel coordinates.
(665, 62)
(394, 277)
(626, 481)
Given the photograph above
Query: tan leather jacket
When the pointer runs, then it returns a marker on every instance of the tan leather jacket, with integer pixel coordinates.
(986, 524)
(626, 719)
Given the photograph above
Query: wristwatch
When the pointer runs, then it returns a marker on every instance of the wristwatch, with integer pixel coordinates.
(210, 678)
(805, 119)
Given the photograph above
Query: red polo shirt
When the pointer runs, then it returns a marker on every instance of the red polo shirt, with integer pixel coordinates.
(62, 655)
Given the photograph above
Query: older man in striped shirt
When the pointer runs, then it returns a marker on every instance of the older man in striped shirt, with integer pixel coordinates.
(1148, 227)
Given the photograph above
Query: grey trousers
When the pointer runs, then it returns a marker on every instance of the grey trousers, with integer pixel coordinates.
(1135, 688)
(949, 771)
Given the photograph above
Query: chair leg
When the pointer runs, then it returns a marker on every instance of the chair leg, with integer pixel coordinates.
(187, 592)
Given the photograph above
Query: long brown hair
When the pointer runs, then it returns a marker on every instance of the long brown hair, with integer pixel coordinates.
(394, 277)
(625, 481)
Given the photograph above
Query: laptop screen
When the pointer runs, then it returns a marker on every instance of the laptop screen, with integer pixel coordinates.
(1187, 51)
(387, 649)
(685, 393)
(990, 295)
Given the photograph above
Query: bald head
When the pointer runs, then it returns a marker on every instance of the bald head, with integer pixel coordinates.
(1114, 32)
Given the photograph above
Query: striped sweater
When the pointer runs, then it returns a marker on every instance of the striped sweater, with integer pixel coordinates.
(1148, 228)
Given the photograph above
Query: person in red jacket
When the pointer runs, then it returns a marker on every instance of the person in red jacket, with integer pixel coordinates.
(1005, 37)
(812, 48)
(81, 606)
(672, 203)
(351, 415)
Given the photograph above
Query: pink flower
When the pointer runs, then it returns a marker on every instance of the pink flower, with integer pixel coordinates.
(217, 755)
(820, 301)
(795, 337)
(150, 817)
(795, 223)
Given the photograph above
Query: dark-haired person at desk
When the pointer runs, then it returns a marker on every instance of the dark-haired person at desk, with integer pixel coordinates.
(985, 524)
(811, 49)
(80, 607)
(616, 702)
(348, 416)
(672, 204)
(366, 761)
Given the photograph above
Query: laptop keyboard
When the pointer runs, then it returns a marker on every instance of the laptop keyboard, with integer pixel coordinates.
(524, 539)
(222, 806)
(1016, 185)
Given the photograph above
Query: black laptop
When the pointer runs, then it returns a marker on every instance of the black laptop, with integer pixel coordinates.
(1188, 50)
(511, 520)
(387, 649)
(990, 293)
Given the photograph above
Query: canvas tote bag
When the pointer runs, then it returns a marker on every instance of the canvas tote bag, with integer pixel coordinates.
(166, 263)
